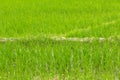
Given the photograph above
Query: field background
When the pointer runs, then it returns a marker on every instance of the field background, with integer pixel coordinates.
(35, 56)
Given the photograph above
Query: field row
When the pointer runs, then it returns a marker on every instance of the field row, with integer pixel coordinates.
(46, 59)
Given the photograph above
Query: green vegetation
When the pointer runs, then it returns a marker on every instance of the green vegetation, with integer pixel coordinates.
(35, 56)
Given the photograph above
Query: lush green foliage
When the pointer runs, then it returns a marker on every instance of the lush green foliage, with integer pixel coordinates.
(36, 57)
(31, 18)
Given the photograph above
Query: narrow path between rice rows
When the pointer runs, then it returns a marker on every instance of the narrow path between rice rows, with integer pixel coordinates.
(75, 39)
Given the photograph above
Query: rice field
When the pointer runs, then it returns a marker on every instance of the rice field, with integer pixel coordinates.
(59, 40)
